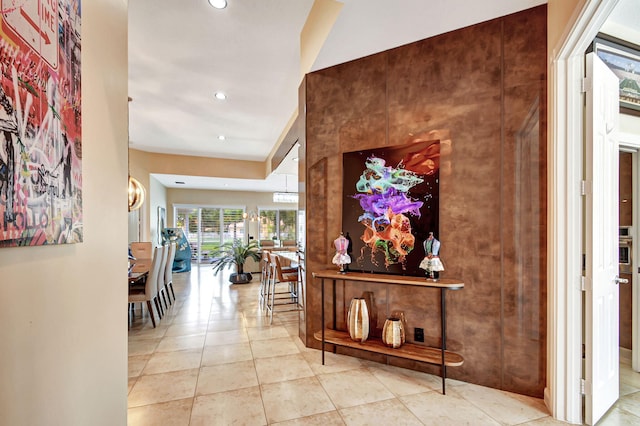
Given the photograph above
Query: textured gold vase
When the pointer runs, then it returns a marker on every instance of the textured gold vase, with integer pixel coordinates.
(372, 310)
(400, 315)
(358, 320)
(393, 333)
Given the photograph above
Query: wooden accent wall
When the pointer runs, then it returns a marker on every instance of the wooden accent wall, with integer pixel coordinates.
(626, 219)
(486, 85)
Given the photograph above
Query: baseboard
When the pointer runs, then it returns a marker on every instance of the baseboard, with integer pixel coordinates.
(547, 399)
(625, 355)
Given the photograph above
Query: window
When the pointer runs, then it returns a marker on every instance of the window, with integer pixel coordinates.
(233, 225)
(206, 228)
(278, 224)
(287, 222)
(268, 224)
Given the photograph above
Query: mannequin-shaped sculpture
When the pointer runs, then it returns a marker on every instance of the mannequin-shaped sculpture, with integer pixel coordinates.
(341, 258)
(431, 262)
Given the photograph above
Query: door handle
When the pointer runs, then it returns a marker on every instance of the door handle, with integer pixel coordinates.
(619, 280)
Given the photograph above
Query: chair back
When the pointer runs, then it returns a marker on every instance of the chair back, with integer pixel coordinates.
(164, 253)
(151, 285)
(267, 243)
(302, 275)
(264, 261)
(271, 265)
(283, 277)
(141, 249)
(289, 243)
(168, 270)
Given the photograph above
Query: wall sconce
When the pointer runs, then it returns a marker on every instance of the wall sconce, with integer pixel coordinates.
(252, 215)
(136, 194)
(136, 190)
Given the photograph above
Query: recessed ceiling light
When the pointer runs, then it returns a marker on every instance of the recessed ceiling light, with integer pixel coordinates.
(218, 4)
(295, 159)
(221, 137)
(221, 96)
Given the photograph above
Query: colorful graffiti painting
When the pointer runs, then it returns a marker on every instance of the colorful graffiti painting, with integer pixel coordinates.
(40, 123)
(391, 203)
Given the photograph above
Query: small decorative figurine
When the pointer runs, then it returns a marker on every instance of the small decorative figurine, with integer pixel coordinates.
(341, 257)
(349, 250)
(431, 262)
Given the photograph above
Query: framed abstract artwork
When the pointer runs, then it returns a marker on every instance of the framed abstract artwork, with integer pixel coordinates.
(40, 123)
(391, 203)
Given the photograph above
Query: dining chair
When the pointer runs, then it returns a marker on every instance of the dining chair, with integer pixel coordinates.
(264, 278)
(289, 243)
(267, 243)
(164, 253)
(149, 292)
(141, 249)
(168, 272)
(302, 281)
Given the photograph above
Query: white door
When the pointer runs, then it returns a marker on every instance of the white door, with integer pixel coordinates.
(601, 307)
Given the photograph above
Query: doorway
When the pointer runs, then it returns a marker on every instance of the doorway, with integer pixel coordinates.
(563, 394)
(627, 236)
(629, 256)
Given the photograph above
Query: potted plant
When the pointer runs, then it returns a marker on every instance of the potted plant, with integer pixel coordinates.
(235, 253)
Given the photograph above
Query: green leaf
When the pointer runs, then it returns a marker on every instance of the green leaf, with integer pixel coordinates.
(234, 253)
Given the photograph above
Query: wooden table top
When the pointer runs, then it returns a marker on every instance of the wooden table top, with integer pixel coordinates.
(448, 283)
(139, 269)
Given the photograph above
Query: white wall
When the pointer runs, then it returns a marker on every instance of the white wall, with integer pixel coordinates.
(63, 323)
(157, 198)
(134, 226)
(630, 125)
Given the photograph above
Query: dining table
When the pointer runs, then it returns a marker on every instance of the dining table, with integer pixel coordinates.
(287, 258)
(138, 270)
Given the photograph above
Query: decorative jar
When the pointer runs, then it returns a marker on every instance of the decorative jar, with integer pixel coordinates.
(358, 319)
(372, 310)
(393, 333)
(400, 315)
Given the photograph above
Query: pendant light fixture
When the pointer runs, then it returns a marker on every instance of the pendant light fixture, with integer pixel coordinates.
(135, 188)
(285, 197)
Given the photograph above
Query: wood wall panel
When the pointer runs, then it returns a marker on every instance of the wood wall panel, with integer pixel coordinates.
(484, 86)
(523, 195)
(626, 219)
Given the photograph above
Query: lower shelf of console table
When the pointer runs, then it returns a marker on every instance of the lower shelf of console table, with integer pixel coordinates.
(407, 351)
(437, 356)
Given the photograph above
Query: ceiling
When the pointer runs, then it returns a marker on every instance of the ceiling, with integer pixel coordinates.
(182, 53)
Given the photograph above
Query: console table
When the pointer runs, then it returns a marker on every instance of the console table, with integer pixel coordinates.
(437, 356)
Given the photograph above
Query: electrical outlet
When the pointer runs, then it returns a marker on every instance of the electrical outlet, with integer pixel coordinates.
(418, 334)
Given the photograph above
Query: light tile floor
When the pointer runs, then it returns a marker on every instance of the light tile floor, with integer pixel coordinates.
(215, 360)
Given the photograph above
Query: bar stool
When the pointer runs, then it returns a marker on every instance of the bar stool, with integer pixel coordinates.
(302, 284)
(264, 277)
(281, 298)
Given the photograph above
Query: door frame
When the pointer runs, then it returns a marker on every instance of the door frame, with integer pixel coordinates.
(565, 213)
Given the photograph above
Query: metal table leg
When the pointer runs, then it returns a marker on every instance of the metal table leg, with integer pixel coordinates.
(322, 316)
(443, 323)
